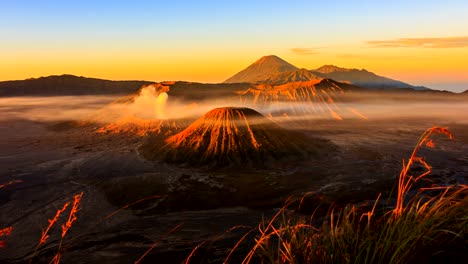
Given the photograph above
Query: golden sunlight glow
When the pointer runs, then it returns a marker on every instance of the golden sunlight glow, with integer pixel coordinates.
(406, 64)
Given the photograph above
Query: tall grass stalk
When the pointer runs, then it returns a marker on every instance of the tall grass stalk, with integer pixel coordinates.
(417, 230)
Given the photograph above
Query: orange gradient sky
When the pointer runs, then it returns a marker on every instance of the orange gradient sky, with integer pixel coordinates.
(419, 42)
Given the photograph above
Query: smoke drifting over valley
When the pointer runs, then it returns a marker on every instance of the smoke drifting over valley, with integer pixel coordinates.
(150, 103)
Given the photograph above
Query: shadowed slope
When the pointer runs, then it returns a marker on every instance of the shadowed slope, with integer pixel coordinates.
(234, 136)
(362, 78)
(66, 85)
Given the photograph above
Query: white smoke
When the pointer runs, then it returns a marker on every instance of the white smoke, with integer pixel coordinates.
(149, 104)
(160, 105)
(153, 102)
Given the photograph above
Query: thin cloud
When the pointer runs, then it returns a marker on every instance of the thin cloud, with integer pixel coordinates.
(304, 51)
(448, 42)
(374, 57)
(351, 56)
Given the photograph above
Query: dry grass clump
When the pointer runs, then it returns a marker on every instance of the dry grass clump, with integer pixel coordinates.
(417, 229)
(72, 217)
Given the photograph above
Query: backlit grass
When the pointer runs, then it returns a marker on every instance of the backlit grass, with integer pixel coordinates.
(422, 228)
(426, 226)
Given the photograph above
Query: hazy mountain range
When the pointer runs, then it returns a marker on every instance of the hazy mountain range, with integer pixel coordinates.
(66, 84)
(268, 70)
(274, 70)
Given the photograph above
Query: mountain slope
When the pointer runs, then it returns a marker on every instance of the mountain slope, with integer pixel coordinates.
(319, 97)
(362, 78)
(299, 75)
(275, 71)
(326, 69)
(235, 136)
(261, 70)
(58, 85)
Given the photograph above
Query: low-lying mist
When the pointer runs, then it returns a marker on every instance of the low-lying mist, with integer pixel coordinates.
(54, 108)
(151, 103)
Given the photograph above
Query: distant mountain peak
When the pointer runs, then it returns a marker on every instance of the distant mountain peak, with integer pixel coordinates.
(273, 70)
(270, 59)
(361, 77)
(262, 69)
(331, 68)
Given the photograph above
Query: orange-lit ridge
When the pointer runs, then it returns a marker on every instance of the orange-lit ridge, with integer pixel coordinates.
(319, 96)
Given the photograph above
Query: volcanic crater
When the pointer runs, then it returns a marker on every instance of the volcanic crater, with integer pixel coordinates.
(233, 136)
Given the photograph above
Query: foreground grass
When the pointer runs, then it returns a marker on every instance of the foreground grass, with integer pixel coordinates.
(429, 226)
(418, 228)
(430, 230)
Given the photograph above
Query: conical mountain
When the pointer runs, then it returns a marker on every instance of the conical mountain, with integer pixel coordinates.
(275, 71)
(232, 136)
(262, 69)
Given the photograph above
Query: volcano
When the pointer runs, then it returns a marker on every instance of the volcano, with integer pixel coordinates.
(262, 69)
(276, 71)
(236, 136)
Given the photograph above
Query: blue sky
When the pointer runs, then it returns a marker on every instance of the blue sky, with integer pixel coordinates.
(225, 36)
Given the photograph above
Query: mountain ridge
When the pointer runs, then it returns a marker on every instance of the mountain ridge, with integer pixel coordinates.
(362, 78)
(67, 84)
(327, 68)
(271, 74)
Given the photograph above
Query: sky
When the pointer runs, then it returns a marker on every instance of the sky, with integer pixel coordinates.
(419, 42)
